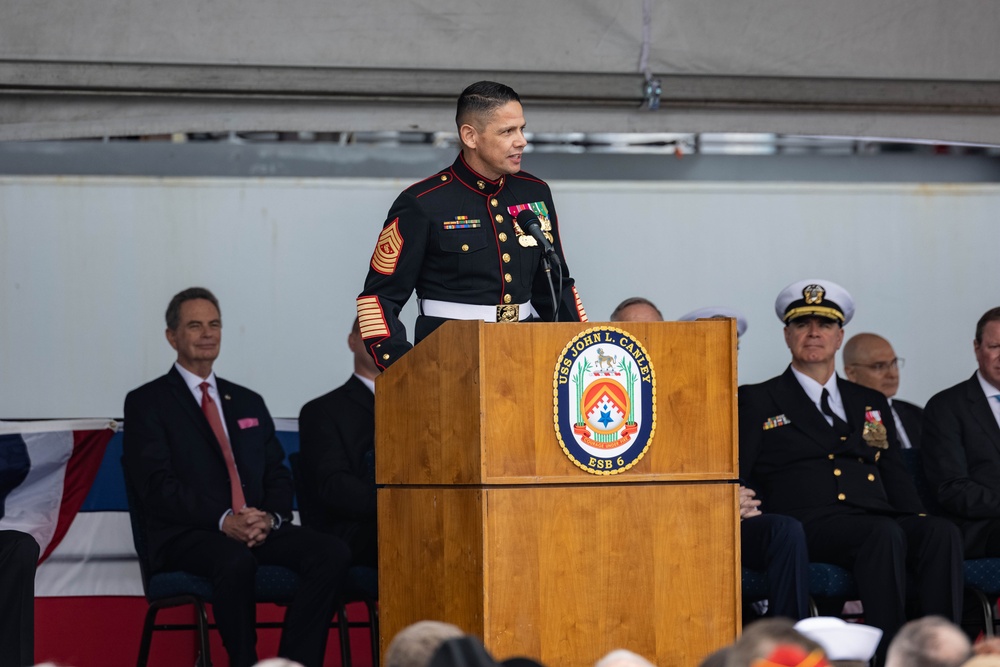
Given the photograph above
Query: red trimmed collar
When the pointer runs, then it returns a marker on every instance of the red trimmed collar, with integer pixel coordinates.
(474, 180)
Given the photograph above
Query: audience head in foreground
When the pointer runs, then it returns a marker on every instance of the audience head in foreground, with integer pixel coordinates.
(623, 658)
(931, 641)
(468, 651)
(844, 643)
(415, 645)
(760, 639)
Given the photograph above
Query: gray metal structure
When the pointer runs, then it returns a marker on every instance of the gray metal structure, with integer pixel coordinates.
(883, 68)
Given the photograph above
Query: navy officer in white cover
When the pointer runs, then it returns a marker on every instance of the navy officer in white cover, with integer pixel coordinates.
(825, 451)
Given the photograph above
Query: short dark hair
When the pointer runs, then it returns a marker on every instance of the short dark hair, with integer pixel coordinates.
(616, 314)
(173, 315)
(991, 315)
(482, 99)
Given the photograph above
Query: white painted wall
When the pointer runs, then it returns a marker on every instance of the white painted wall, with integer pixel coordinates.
(87, 266)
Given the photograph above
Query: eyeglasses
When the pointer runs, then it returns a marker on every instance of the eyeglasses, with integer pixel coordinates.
(883, 366)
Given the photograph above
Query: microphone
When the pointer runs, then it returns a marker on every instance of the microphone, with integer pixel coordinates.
(528, 222)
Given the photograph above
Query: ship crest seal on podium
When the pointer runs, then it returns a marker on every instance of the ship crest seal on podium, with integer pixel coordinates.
(603, 393)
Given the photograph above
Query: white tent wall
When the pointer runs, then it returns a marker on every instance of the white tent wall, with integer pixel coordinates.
(87, 266)
(893, 68)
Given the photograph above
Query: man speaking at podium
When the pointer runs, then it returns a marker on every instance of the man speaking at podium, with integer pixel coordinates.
(470, 239)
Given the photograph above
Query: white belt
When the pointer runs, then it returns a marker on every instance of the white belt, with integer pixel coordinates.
(449, 310)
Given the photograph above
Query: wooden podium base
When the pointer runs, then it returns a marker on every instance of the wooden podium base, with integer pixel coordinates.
(565, 573)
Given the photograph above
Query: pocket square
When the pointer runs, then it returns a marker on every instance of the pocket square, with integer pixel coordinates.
(774, 422)
(248, 422)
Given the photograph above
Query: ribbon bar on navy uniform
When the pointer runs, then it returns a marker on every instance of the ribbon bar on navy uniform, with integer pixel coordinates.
(508, 312)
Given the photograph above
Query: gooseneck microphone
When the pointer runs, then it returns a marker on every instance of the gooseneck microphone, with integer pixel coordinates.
(528, 222)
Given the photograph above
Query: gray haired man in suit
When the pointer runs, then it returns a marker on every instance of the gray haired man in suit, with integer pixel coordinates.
(202, 456)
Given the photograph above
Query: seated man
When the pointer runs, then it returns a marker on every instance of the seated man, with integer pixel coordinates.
(870, 361)
(718, 312)
(204, 461)
(961, 445)
(770, 542)
(18, 558)
(337, 450)
(817, 447)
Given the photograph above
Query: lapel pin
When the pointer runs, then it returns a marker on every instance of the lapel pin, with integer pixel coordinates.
(226, 397)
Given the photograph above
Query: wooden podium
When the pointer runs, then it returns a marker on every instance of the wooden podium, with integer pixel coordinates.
(485, 522)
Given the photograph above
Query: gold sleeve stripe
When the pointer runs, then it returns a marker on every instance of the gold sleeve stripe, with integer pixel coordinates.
(371, 319)
(390, 244)
(579, 306)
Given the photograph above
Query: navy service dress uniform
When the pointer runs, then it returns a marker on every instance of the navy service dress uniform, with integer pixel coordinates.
(454, 239)
(850, 489)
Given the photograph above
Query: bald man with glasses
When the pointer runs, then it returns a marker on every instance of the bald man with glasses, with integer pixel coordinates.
(870, 361)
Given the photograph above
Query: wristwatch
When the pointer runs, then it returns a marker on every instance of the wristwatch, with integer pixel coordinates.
(274, 520)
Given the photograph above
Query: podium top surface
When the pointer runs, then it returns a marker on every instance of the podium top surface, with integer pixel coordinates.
(560, 403)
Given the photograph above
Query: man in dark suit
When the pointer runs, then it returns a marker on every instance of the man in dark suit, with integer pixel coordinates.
(202, 456)
(961, 446)
(18, 558)
(818, 448)
(337, 450)
(870, 361)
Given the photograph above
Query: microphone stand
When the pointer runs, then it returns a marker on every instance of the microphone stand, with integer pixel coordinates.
(547, 265)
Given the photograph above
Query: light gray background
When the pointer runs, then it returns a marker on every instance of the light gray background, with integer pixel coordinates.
(87, 265)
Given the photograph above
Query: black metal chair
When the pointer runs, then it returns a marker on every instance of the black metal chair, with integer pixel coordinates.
(826, 582)
(164, 590)
(982, 575)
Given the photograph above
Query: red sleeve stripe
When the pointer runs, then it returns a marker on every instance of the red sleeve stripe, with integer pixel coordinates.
(371, 319)
(388, 249)
(579, 306)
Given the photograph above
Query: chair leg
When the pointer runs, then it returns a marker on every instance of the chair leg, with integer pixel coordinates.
(373, 628)
(987, 610)
(204, 647)
(344, 630)
(147, 637)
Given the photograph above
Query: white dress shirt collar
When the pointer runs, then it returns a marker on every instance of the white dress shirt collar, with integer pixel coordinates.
(814, 390)
(904, 438)
(368, 382)
(193, 383)
(991, 394)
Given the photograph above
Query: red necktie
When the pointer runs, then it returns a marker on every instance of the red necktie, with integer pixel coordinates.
(211, 411)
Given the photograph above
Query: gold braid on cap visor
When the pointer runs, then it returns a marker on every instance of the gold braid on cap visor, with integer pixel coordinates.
(822, 311)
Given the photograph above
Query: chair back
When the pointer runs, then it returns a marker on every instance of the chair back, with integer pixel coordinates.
(139, 538)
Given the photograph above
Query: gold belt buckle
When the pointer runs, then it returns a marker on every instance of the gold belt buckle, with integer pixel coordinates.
(508, 312)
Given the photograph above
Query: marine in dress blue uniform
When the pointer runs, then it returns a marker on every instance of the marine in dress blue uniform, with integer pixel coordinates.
(454, 239)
